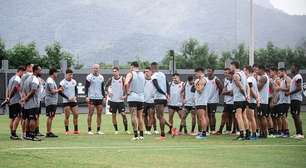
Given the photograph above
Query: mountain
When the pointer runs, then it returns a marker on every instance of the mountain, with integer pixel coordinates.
(104, 30)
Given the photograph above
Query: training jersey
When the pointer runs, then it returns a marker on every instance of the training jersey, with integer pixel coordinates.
(70, 89)
(237, 95)
(264, 92)
(253, 82)
(117, 89)
(149, 91)
(136, 90)
(14, 83)
(201, 99)
(228, 84)
(214, 91)
(95, 89)
(176, 94)
(162, 82)
(283, 99)
(299, 95)
(51, 98)
(189, 95)
(32, 83)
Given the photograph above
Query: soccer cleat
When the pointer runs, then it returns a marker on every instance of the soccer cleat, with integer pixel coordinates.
(156, 132)
(161, 138)
(271, 136)
(35, 138)
(76, 132)
(149, 133)
(252, 138)
(127, 132)
(90, 133)
(292, 136)
(67, 133)
(174, 132)
(39, 134)
(51, 135)
(100, 133)
(217, 133)
(299, 137)
(141, 138)
(116, 132)
(15, 137)
(26, 137)
(227, 132)
(193, 133)
(135, 139)
(201, 136)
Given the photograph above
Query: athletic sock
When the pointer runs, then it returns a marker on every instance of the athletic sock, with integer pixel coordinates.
(141, 133)
(89, 129)
(98, 129)
(181, 128)
(193, 127)
(221, 128)
(185, 129)
(36, 130)
(241, 134)
(203, 133)
(247, 133)
(154, 127)
(162, 134)
(116, 127)
(125, 126)
(76, 128)
(135, 134)
(66, 128)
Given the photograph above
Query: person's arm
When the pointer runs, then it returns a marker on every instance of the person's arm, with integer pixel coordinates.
(298, 87)
(128, 79)
(156, 85)
(87, 85)
(103, 89)
(239, 84)
(262, 81)
(219, 85)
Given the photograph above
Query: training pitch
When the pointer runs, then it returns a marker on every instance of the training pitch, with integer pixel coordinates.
(119, 151)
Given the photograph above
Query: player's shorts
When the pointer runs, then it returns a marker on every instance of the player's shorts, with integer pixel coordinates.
(252, 106)
(14, 110)
(274, 113)
(70, 104)
(175, 108)
(240, 104)
(147, 107)
(201, 107)
(96, 102)
(51, 110)
(228, 108)
(295, 107)
(263, 110)
(23, 113)
(138, 105)
(116, 106)
(282, 109)
(31, 113)
(212, 108)
(160, 102)
(189, 108)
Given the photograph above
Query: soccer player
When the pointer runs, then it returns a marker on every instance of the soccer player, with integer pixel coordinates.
(69, 94)
(134, 84)
(13, 97)
(274, 106)
(24, 121)
(160, 97)
(189, 105)
(51, 100)
(283, 102)
(201, 98)
(94, 89)
(240, 98)
(117, 95)
(213, 100)
(31, 101)
(253, 102)
(149, 109)
(227, 114)
(41, 99)
(176, 101)
(296, 97)
(263, 111)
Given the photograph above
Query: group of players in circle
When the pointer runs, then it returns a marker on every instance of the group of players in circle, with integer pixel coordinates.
(256, 101)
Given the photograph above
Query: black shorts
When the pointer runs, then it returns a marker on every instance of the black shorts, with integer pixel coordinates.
(201, 107)
(274, 111)
(23, 113)
(116, 106)
(147, 107)
(263, 110)
(70, 104)
(295, 107)
(138, 105)
(189, 108)
(252, 106)
(175, 108)
(240, 104)
(160, 101)
(14, 110)
(51, 110)
(228, 108)
(282, 109)
(31, 113)
(96, 102)
(211, 108)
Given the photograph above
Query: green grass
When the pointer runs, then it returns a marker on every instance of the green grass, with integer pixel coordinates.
(118, 151)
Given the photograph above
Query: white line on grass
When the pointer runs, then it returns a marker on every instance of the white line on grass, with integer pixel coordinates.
(156, 147)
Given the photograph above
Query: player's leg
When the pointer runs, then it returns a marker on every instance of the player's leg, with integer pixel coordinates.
(50, 112)
(212, 117)
(133, 111)
(252, 122)
(151, 117)
(32, 123)
(37, 121)
(239, 117)
(75, 112)
(140, 120)
(171, 115)
(160, 116)
(145, 116)
(99, 118)
(295, 112)
(113, 109)
(91, 109)
(66, 120)
(246, 124)
(121, 110)
(201, 113)
(183, 115)
(193, 120)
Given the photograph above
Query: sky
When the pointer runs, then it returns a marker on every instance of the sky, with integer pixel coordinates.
(292, 7)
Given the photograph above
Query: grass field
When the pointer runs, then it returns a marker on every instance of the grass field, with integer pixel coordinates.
(118, 151)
